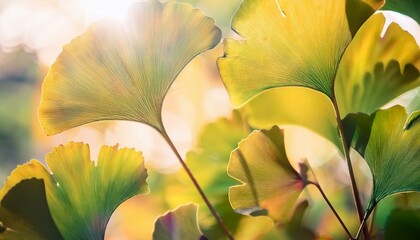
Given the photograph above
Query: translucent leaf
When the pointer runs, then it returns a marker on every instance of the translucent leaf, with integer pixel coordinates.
(288, 43)
(390, 149)
(178, 224)
(122, 71)
(410, 8)
(315, 111)
(374, 69)
(80, 195)
(270, 185)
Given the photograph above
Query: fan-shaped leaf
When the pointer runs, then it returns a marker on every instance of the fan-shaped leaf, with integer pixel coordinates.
(80, 195)
(178, 224)
(374, 69)
(122, 71)
(410, 8)
(288, 43)
(390, 148)
(271, 185)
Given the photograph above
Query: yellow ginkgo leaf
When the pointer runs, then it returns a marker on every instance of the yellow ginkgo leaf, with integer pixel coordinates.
(79, 195)
(269, 183)
(375, 69)
(288, 43)
(122, 71)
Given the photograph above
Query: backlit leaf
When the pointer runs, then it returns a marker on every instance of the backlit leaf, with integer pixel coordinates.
(270, 185)
(293, 106)
(81, 195)
(288, 43)
(374, 69)
(391, 150)
(410, 8)
(178, 224)
(122, 71)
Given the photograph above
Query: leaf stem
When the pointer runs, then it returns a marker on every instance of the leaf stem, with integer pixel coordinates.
(356, 195)
(332, 208)
(197, 186)
(362, 224)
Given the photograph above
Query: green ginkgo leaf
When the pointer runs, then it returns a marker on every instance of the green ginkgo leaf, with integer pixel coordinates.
(410, 8)
(390, 145)
(122, 71)
(376, 69)
(178, 224)
(270, 185)
(80, 193)
(288, 43)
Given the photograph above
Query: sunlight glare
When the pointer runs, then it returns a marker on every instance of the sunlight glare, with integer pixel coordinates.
(98, 9)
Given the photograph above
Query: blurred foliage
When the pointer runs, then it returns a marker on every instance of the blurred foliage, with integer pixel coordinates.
(19, 74)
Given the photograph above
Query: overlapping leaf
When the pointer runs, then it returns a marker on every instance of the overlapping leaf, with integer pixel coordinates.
(293, 106)
(270, 185)
(376, 69)
(24, 211)
(80, 196)
(390, 146)
(122, 71)
(178, 224)
(288, 43)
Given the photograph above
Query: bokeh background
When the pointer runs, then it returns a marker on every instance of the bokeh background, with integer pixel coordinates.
(32, 34)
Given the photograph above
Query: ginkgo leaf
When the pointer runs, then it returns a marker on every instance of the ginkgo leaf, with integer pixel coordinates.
(288, 43)
(178, 224)
(376, 69)
(82, 196)
(410, 8)
(270, 185)
(315, 111)
(122, 71)
(390, 148)
(24, 211)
